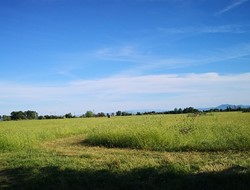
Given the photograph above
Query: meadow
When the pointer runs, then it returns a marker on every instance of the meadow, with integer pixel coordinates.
(182, 151)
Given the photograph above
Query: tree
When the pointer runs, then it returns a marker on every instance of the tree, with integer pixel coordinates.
(101, 114)
(175, 110)
(118, 113)
(17, 115)
(126, 113)
(179, 110)
(6, 118)
(68, 115)
(190, 110)
(89, 114)
(40, 117)
(31, 114)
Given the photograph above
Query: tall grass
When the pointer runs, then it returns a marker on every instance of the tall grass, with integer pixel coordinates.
(16, 135)
(222, 131)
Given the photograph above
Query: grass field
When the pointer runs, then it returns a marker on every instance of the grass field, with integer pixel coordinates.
(139, 152)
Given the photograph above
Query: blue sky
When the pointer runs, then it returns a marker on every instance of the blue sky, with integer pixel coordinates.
(60, 56)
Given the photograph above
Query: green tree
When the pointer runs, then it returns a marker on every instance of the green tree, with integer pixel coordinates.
(179, 110)
(190, 110)
(40, 117)
(68, 115)
(31, 114)
(126, 113)
(175, 110)
(118, 113)
(138, 113)
(6, 118)
(18, 115)
(101, 114)
(89, 114)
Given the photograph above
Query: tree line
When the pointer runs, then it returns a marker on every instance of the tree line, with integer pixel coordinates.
(33, 115)
(20, 115)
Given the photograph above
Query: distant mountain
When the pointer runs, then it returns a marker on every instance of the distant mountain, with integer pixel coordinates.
(225, 106)
(220, 107)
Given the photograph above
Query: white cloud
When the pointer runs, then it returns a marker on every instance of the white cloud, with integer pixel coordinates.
(111, 94)
(231, 6)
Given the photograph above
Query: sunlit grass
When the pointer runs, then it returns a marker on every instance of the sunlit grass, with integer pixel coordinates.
(147, 152)
(16, 135)
(178, 133)
(220, 131)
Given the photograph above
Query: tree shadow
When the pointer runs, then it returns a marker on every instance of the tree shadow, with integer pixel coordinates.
(165, 177)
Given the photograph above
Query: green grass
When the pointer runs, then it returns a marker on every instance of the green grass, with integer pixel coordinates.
(138, 152)
(177, 133)
(16, 135)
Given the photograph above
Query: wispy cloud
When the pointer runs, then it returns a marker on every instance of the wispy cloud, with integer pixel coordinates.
(231, 6)
(110, 94)
(142, 62)
(205, 29)
(126, 53)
